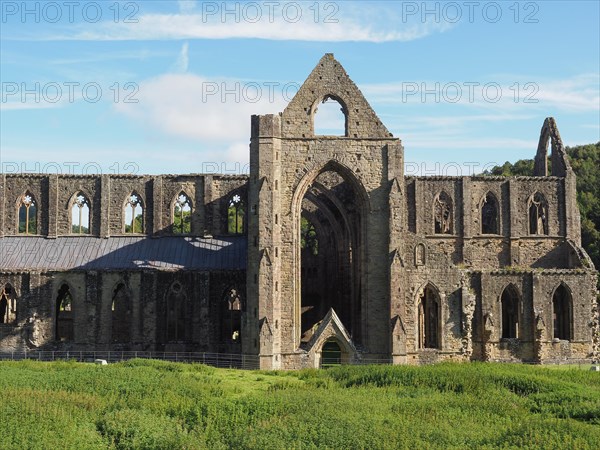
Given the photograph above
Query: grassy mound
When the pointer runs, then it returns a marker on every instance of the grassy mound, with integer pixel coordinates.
(153, 404)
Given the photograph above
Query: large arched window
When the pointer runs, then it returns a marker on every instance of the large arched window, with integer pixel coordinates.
(538, 214)
(510, 312)
(561, 310)
(231, 317)
(442, 212)
(428, 319)
(489, 215)
(28, 223)
(8, 305)
(64, 314)
(176, 313)
(80, 214)
(134, 214)
(330, 117)
(121, 315)
(182, 214)
(236, 215)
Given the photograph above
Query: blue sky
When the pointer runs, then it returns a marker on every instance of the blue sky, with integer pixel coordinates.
(169, 87)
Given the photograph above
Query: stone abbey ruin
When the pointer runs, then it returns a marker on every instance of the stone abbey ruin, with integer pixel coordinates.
(325, 247)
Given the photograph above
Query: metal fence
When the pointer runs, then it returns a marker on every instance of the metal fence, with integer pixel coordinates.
(222, 360)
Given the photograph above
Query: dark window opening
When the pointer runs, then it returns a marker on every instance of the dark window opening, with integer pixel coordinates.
(428, 321)
(489, 215)
(121, 315)
(8, 305)
(331, 354)
(510, 313)
(176, 314)
(231, 317)
(442, 207)
(538, 214)
(64, 314)
(561, 308)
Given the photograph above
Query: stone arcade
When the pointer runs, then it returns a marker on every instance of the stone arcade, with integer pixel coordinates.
(326, 250)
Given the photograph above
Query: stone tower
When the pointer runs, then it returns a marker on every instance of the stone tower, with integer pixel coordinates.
(341, 186)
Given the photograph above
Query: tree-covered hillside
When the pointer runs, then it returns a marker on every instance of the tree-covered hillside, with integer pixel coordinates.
(585, 160)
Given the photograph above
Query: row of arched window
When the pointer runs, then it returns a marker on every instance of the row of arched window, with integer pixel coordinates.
(176, 315)
(133, 214)
(429, 314)
(443, 213)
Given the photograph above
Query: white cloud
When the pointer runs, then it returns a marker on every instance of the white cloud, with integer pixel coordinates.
(210, 112)
(262, 21)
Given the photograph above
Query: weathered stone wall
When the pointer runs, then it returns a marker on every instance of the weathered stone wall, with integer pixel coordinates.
(107, 194)
(382, 229)
(92, 293)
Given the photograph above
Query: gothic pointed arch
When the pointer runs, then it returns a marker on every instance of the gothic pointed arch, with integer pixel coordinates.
(329, 210)
(537, 209)
(64, 313)
(329, 80)
(330, 121)
(80, 213)
(510, 300)
(428, 317)
(489, 214)
(121, 313)
(236, 213)
(181, 213)
(232, 306)
(549, 135)
(176, 313)
(443, 213)
(133, 214)
(27, 214)
(562, 312)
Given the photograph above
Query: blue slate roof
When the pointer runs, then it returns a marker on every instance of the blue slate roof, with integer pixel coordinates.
(121, 253)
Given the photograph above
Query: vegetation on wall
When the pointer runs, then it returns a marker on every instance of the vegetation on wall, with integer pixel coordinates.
(154, 404)
(585, 160)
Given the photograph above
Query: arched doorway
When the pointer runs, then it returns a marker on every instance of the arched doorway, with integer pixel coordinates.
(330, 251)
(331, 354)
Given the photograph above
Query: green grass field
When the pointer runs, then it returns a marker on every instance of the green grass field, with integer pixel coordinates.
(152, 404)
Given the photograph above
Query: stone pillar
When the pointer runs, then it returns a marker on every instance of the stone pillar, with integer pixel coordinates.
(467, 217)
(515, 226)
(105, 212)
(264, 245)
(157, 205)
(53, 205)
